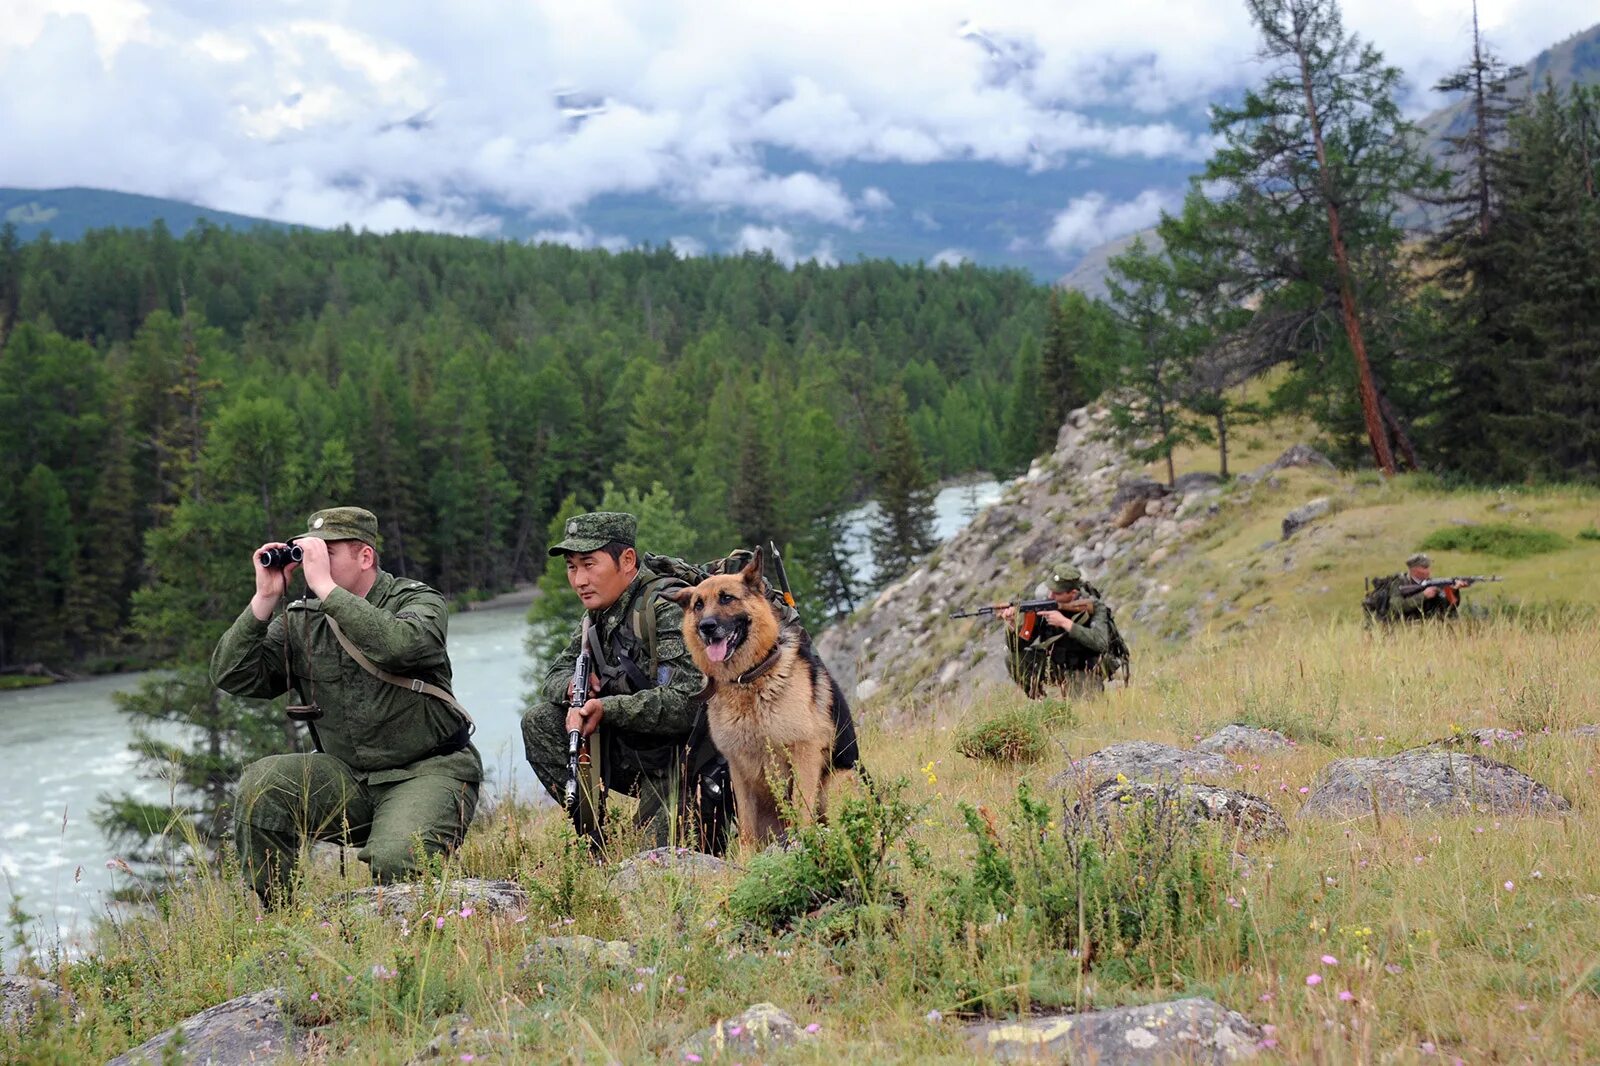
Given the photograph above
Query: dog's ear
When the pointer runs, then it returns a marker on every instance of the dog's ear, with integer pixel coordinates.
(752, 570)
(680, 595)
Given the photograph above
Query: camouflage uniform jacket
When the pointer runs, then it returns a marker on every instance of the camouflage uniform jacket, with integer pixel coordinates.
(657, 713)
(381, 731)
(1416, 606)
(1051, 653)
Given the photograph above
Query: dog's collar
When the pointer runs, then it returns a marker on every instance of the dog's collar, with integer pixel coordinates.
(758, 669)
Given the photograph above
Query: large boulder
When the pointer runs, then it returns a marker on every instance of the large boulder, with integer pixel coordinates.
(1305, 514)
(1195, 481)
(1183, 1030)
(1237, 737)
(761, 1029)
(1295, 455)
(1141, 488)
(400, 901)
(637, 870)
(22, 997)
(1142, 760)
(1427, 780)
(617, 954)
(1251, 817)
(462, 1040)
(248, 1029)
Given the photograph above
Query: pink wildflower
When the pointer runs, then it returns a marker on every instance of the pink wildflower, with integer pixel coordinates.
(1313, 980)
(813, 1027)
(1329, 960)
(1345, 995)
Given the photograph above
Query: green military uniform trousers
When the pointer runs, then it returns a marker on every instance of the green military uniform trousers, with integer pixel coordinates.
(544, 734)
(286, 801)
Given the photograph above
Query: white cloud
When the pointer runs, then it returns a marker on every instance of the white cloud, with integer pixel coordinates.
(875, 199)
(949, 257)
(783, 246)
(1093, 220)
(396, 114)
(687, 247)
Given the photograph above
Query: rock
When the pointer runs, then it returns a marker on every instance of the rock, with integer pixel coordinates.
(1427, 779)
(1142, 760)
(1239, 737)
(1136, 489)
(1305, 514)
(1196, 481)
(1295, 455)
(1130, 512)
(1584, 731)
(569, 949)
(1182, 1030)
(400, 901)
(634, 871)
(463, 1041)
(1487, 737)
(248, 1029)
(760, 1029)
(1253, 817)
(951, 671)
(21, 998)
(867, 688)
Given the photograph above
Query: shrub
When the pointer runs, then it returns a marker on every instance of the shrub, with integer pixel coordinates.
(1131, 898)
(1018, 734)
(1589, 533)
(1505, 541)
(829, 870)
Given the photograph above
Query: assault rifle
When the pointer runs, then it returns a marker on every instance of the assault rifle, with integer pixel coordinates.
(1411, 588)
(988, 610)
(783, 576)
(582, 792)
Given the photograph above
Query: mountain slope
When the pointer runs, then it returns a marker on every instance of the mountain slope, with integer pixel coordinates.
(66, 214)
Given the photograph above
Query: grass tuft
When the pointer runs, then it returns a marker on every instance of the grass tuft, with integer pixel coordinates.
(1495, 538)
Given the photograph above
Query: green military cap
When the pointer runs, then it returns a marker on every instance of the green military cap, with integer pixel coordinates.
(1420, 559)
(344, 523)
(1064, 577)
(593, 531)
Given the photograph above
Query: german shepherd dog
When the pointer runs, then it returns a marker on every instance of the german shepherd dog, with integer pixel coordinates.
(775, 712)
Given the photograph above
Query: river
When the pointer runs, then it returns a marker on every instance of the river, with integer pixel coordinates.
(63, 747)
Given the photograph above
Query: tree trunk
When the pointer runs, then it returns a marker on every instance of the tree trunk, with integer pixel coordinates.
(1347, 296)
(1222, 443)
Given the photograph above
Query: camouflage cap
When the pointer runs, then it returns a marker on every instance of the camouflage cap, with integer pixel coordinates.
(344, 523)
(1420, 559)
(593, 531)
(1064, 577)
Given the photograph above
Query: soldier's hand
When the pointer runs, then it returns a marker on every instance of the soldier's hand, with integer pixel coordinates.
(1006, 614)
(586, 719)
(1056, 619)
(594, 687)
(1431, 592)
(319, 571)
(270, 584)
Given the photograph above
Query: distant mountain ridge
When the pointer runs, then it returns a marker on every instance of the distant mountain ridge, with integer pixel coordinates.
(67, 214)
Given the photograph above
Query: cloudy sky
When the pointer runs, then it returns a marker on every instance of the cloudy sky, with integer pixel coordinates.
(397, 114)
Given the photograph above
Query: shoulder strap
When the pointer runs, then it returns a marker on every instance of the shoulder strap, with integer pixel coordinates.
(642, 612)
(410, 683)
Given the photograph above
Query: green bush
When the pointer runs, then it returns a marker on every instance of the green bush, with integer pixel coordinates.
(1019, 734)
(1589, 533)
(1505, 541)
(1131, 899)
(828, 871)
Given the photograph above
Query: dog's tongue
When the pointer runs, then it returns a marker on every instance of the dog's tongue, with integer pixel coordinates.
(718, 651)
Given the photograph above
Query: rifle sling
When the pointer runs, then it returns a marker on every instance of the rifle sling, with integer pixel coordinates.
(411, 684)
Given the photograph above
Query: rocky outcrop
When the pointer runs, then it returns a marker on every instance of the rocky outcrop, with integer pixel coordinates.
(1237, 737)
(1296, 455)
(400, 901)
(21, 999)
(1305, 514)
(761, 1029)
(1183, 1030)
(1249, 817)
(1427, 780)
(1142, 760)
(1087, 501)
(249, 1029)
(464, 1041)
(563, 950)
(637, 870)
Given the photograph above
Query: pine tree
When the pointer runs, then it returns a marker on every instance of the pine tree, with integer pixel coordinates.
(902, 530)
(1314, 165)
(1476, 309)
(1032, 417)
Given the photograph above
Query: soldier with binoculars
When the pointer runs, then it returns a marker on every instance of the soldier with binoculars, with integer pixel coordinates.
(363, 654)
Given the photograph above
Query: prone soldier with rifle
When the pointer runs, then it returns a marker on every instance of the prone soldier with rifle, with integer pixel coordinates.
(1068, 641)
(1416, 595)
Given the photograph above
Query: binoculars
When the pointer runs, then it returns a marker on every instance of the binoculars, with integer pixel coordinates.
(280, 557)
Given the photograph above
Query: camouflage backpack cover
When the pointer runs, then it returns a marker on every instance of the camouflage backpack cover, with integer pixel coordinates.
(1378, 604)
(1117, 658)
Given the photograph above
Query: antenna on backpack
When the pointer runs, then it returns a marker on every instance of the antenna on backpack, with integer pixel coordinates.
(783, 575)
